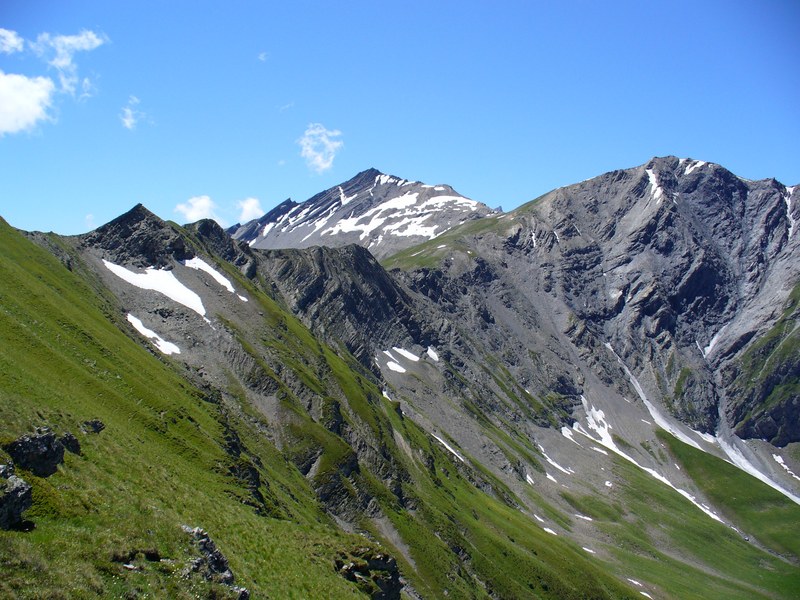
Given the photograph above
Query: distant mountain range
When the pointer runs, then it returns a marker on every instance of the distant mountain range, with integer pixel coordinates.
(393, 391)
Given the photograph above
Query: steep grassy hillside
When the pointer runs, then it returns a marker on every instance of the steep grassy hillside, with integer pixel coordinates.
(181, 450)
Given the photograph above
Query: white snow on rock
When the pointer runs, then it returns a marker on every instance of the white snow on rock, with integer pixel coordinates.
(567, 433)
(538, 518)
(529, 479)
(548, 530)
(449, 447)
(707, 350)
(393, 366)
(658, 193)
(589, 550)
(596, 421)
(550, 477)
(160, 281)
(584, 517)
(662, 422)
(433, 354)
(695, 164)
(645, 594)
(738, 458)
(409, 355)
(201, 265)
(163, 346)
(634, 582)
(554, 463)
(609, 484)
(792, 221)
(779, 459)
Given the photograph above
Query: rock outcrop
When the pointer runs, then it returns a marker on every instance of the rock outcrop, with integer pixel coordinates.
(39, 453)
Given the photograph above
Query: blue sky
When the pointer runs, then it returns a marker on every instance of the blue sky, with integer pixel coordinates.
(225, 109)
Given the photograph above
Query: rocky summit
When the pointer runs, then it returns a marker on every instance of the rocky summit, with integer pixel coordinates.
(380, 212)
(392, 391)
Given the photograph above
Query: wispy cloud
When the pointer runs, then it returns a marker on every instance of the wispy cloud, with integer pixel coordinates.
(263, 56)
(24, 101)
(10, 41)
(59, 50)
(89, 220)
(198, 207)
(286, 106)
(250, 208)
(319, 146)
(131, 115)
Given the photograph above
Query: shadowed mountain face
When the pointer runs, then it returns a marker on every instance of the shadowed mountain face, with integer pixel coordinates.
(531, 404)
(380, 212)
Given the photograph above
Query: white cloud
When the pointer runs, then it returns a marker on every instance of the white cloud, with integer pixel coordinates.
(59, 50)
(263, 56)
(10, 41)
(89, 219)
(131, 115)
(319, 147)
(250, 209)
(198, 207)
(24, 101)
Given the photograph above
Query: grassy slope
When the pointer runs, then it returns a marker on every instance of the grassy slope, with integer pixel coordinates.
(158, 464)
(161, 463)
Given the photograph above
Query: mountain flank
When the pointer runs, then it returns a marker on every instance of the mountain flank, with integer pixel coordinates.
(593, 395)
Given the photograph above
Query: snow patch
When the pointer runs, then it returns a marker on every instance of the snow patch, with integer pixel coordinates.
(550, 477)
(200, 265)
(433, 354)
(697, 164)
(589, 550)
(160, 281)
(163, 346)
(584, 517)
(449, 447)
(242, 298)
(609, 484)
(548, 530)
(662, 422)
(596, 421)
(529, 479)
(658, 192)
(792, 221)
(634, 582)
(409, 355)
(707, 350)
(567, 433)
(645, 594)
(393, 366)
(779, 459)
(554, 463)
(538, 518)
(740, 460)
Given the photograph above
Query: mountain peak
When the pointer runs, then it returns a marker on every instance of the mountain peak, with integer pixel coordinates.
(138, 237)
(381, 212)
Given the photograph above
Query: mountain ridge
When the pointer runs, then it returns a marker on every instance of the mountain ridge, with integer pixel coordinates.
(381, 212)
(502, 409)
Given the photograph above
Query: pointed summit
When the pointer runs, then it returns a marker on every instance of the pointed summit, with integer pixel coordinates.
(383, 213)
(139, 238)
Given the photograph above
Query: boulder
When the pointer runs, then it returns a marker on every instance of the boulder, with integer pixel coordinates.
(40, 453)
(211, 562)
(70, 443)
(93, 426)
(15, 498)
